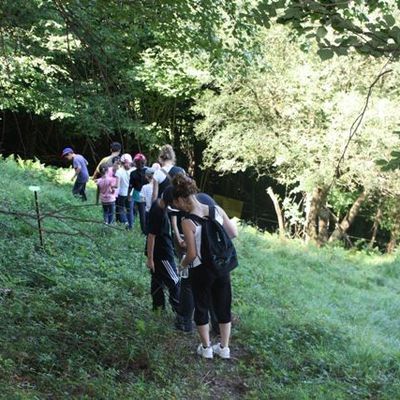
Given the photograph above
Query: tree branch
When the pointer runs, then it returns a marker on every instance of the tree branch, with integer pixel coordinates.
(357, 122)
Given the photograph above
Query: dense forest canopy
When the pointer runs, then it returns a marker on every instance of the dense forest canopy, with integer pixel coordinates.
(87, 62)
(244, 81)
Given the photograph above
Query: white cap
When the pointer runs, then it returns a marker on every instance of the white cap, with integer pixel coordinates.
(126, 158)
(149, 171)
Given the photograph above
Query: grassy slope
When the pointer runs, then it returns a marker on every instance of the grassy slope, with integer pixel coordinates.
(311, 323)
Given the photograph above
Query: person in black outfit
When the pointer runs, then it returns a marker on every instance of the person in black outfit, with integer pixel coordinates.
(136, 182)
(160, 257)
(207, 286)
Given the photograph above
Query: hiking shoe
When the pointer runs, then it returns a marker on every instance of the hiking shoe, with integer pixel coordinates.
(223, 352)
(205, 352)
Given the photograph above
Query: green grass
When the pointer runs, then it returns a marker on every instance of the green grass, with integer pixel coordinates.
(309, 323)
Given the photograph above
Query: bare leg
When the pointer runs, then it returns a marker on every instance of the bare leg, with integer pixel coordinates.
(225, 330)
(204, 332)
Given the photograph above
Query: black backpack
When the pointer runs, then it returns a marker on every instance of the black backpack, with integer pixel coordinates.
(217, 250)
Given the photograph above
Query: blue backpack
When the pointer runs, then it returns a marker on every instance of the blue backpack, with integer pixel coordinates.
(217, 250)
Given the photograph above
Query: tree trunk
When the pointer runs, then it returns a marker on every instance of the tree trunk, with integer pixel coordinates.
(394, 234)
(191, 161)
(3, 132)
(335, 219)
(342, 227)
(323, 224)
(317, 201)
(278, 211)
(377, 221)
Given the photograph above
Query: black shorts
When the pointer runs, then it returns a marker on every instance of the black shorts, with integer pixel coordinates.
(208, 287)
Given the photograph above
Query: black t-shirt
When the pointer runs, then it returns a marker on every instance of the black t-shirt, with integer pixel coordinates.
(137, 179)
(166, 182)
(160, 227)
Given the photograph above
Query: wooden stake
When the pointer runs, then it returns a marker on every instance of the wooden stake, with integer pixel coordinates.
(39, 221)
(278, 211)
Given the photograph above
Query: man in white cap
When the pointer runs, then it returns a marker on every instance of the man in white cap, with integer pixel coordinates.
(124, 209)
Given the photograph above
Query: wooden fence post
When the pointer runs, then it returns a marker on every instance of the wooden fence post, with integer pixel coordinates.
(278, 212)
(35, 190)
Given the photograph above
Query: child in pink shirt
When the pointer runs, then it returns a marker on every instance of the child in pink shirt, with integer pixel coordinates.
(107, 190)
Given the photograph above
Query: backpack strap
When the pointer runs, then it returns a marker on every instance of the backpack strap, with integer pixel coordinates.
(201, 220)
(195, 219)
(211, 212)
(166, 174)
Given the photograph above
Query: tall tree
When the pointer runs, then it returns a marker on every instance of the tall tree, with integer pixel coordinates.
(290, 116)
(80, 62)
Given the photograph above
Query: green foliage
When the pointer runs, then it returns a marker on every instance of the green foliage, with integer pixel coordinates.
(87, 62)
(341, 201)
(309, 323)
(368, 27)
(109, 66)
(291, 116)
(393, 163)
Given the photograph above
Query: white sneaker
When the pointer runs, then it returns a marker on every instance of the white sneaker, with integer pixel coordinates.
(223, 352)
(205, 352)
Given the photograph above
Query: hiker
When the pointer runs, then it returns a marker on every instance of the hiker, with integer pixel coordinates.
(115, 150)
(124, 209)
(160, 257)
(81, 172)
(136, 182)
(184, 320)
(107, 187)
(163, 176)
(207, 284)
(112, 167)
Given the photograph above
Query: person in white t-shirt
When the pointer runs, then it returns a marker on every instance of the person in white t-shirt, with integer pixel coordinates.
(124, 209)
(207, 285)
(163, 176)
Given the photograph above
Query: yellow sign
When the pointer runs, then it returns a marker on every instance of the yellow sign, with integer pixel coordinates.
(231, 206)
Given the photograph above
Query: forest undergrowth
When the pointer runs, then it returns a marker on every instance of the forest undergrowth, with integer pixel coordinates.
(76, 319)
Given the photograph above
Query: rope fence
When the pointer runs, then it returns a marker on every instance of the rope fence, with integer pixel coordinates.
(36, 221)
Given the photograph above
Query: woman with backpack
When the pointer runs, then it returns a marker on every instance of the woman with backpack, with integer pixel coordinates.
(208, 283)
